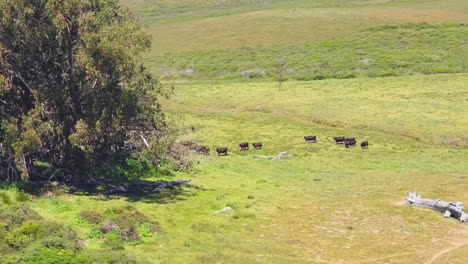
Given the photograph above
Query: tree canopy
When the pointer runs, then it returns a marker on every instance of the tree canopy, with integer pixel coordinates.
(75, 97)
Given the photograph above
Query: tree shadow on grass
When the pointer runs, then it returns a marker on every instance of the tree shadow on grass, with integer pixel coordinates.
(144, 191)
(164, 197)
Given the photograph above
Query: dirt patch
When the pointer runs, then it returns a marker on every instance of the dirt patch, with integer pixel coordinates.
(408, 15)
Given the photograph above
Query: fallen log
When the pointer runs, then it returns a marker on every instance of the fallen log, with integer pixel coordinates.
(160, 185)
(280, 156)
(116, 190)
(226, 209)
(450, 209)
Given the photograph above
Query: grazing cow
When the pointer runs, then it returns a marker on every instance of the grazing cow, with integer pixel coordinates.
(347, 144)
(194, 146)
(202, 150)
(187, 143)
(339, 140)
(206, 151)
(244, 145)
(312, 139)
(222, 151)
(364, 144)
(257, 145)
(351, 141)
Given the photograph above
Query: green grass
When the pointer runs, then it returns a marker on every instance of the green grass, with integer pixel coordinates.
(168, 11)
(380, 51)
(238, 24)
(326, 203)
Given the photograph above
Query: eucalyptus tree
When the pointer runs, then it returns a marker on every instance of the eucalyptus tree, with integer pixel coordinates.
(75, 97)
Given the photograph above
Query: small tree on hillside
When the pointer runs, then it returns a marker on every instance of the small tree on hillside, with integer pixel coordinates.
(75, 97)
(280, 78)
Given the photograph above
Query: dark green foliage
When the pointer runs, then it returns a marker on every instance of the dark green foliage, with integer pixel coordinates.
(138, 169)
(48, 233)
(27, 238)
(23, 230)
(5, 198)
(28, 232)
(381, 51)
(91, 216)
(75, 99)
(21, 197)
(40, 254)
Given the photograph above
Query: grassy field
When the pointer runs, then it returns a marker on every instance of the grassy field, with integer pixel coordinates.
(318, 39)
(207, 25)
(381, 51)
(326, 204)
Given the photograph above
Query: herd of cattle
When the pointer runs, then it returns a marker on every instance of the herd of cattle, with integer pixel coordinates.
(348, 142)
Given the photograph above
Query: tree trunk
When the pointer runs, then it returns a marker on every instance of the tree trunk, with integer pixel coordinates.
(450, 209)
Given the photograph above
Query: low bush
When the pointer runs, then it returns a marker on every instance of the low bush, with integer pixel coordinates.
(91, 216)
(25, 237)
(13, 216)
(114, 241)
(112, 257)
(40, 254)
(28, 232)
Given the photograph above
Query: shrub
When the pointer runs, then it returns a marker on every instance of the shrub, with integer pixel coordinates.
(39, 254)
(114, 241)
(109, 226)
(130, 233)
(21, 197)
(6, 199)
(113, 257)
(23, 235)
(91, 216)
(60, 243)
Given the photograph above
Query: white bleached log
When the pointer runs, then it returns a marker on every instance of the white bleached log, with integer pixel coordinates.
(226, 209)
(450, 209)
(282, 155)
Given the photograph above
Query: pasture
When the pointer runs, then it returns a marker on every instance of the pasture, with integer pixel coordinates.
(381, 51)
(326, 204)
(390, 72)
(316, 39)
(188, 25)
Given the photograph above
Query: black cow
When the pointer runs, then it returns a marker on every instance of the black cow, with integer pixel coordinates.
(222, 151)
(194, 146)
(244, 145)
(257, 145)
(351, 141)
(312, 139)
(202, 150)
(187, 143)
(339, 140)
(364, 144)
(347, 144)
